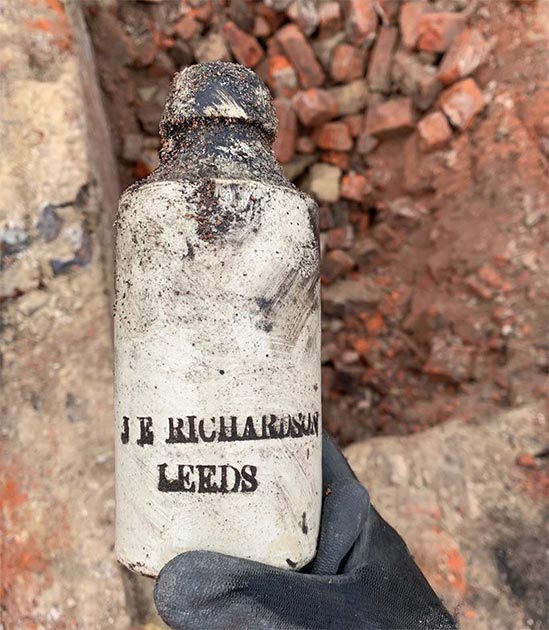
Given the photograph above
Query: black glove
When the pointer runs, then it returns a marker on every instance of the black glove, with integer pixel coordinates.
(363, 576)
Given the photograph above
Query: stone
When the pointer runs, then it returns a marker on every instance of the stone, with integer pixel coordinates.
(379, 68)
(354, 186)
(334, 136)
(361, 21)
(434, 131)
(245, 47)
(282, 78)
(301, 55)
(315, 106)
(49, 224)
(340, 237)
(323, 182)
(284, 144)
(437, 30)
(390, 118)
(348, 63)
(449, 358)
(466, 53)
(350, 98)
(462, 102)
(211, 48)
(306, 15)
(456, 477)
(262, 28)
(416, 80)
(335, 264)
(358, 290)
(410, 13)
(242, 14)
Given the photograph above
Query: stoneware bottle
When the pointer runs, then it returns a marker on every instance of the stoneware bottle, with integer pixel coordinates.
(217, 338)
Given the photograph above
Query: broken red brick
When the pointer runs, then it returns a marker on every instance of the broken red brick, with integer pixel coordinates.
(284, 145)
(389, 118)
(334, 136)
(262, 28)
(348, 63)
(466, 53)
(282, 78)
(354, 186)
(434, 131)
(187, 27)
(314, 106)
(410, 13)
(462, 102)
(526, 461)
(379, 68)
(302, 56)
(361, 21)
(244, 47)
(340, 237)
(436, 31)
(355, 124)
(490, 276)
(336, 263)
(337, 158)
(329, 18)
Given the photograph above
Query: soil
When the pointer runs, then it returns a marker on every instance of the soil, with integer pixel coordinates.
(456, 267)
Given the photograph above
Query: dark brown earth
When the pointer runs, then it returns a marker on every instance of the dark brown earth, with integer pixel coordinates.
(435, 281)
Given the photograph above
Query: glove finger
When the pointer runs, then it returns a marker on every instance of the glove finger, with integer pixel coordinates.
(202, 589)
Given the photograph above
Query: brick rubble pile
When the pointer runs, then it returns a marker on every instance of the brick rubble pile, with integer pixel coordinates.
(377, 101)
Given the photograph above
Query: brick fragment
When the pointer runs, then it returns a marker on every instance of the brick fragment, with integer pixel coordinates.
(462, 102)
(340, 237)
(390, 118)
(526, 460)
(434, 131)
(355, 123)
(302, 56)
(305, 144)
(245, 47)
(350, 98)
(337, 158)
(335, 264)
(334, 136)
(410, 13)
(437, 30)
(354, 186)
(416, 80)
(329, 17)
(211, 48)
(324, 49)
(379, 68)
(282, 78)
(187, 27)
(324, 182)
(315, 106)
(366, 143)
(262, 28)
(361, 21)
(449, 359)
(348, 63)
(284, 144)
(466, 53)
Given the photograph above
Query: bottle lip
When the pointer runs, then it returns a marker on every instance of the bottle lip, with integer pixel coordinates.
(218, 90)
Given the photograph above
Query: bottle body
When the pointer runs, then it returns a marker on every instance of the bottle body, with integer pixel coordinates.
(217, 373)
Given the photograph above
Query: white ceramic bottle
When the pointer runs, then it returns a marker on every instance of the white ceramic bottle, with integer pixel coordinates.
(217, 339)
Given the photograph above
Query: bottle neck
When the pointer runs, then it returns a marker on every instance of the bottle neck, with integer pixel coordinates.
(218, 148)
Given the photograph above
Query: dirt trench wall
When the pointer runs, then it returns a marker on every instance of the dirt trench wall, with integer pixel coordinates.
(57, 568)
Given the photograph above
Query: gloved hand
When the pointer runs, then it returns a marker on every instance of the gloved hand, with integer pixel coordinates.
(363, 576)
